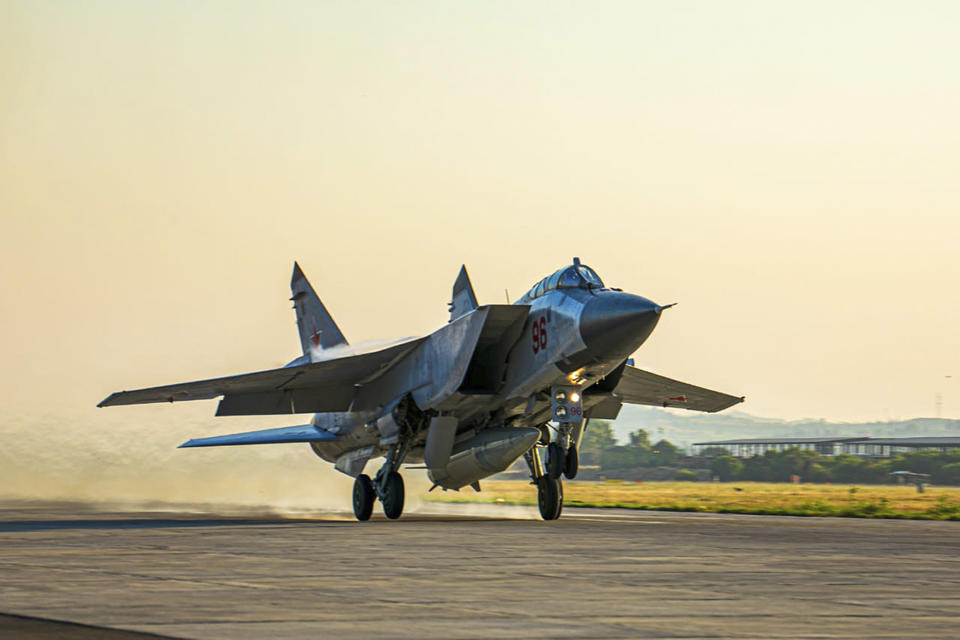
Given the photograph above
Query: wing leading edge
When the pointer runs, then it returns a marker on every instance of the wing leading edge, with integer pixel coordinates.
(642, 387)
(300, 433)
(309, 388)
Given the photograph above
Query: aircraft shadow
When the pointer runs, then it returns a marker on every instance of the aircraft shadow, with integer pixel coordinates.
(20, 526)
(28, 526)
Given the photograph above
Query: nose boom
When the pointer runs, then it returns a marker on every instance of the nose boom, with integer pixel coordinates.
(615, 323)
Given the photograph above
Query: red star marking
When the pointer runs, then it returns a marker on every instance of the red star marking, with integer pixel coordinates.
(315, 338)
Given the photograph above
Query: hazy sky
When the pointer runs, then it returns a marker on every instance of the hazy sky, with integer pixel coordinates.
(789, 172)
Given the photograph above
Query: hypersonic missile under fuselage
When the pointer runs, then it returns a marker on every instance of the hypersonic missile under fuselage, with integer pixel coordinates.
(496, 383)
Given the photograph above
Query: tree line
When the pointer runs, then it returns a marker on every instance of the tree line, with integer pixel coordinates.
(599, 447)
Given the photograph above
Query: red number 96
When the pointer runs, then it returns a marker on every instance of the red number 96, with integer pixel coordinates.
(539, 334)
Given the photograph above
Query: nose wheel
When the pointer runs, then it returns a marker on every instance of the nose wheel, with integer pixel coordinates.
(550, 497)
(571, 463)
(562, 463)
(556, 460)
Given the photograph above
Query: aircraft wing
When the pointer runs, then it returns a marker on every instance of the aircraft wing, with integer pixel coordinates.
(281, 435)
(328, 385)
(642, 387)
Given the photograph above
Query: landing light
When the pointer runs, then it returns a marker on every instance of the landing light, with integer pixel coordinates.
(574, 397)
(560, 396)
(561, 412)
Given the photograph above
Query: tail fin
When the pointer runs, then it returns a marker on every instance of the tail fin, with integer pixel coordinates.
(317, 328)
(464, 299)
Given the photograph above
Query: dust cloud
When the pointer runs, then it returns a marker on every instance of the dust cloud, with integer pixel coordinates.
(133, 461)
(126, 459)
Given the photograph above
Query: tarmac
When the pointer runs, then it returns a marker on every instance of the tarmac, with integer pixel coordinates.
(456, 571)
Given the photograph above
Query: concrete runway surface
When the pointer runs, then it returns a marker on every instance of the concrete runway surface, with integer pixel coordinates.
(453, 571)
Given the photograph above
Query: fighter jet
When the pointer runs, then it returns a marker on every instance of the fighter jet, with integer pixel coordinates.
(498, 382)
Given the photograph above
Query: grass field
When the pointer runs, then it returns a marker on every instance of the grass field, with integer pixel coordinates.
(937, 503)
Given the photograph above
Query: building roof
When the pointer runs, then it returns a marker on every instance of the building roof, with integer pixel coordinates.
(936, 441)
(787, 440)
(916, 443)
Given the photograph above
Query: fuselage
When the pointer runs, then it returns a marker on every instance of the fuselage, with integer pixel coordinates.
(574, 335)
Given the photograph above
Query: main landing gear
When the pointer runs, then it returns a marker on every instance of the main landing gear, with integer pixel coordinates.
(364, 495)
(387, 487)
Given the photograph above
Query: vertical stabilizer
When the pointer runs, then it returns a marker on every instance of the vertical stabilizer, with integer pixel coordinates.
(317, 329)
(464, 300)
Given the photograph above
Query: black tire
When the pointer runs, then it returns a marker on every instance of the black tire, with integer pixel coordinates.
(555, 460)
(572, 463)
(364, 496)
(549, 498)
(393, 496)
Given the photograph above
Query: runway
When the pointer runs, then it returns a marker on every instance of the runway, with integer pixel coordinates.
(499, 573)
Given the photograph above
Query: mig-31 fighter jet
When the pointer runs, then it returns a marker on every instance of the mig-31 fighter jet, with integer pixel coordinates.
(498, 382)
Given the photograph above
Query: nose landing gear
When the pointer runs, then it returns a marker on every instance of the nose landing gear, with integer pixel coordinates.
(549, 489)
(556, 460)
(562, 460)
(562, 463)
(550, 497)
(571, 462)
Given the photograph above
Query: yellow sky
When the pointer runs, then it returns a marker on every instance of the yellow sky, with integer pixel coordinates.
(787, 172)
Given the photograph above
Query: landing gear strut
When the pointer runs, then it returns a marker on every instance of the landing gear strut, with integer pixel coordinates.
(569, 436)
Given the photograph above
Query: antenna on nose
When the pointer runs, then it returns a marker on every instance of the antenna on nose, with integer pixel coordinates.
(576, 262)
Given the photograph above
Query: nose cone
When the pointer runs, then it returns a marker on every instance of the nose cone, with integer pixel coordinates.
(520, 442)
(616, 324)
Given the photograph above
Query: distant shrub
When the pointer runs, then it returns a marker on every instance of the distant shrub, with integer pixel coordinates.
(685, 475)
(945, 509)
(947, 474)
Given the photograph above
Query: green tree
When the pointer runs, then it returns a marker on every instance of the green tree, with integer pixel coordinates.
(640, 438)
(759, 468)
(948, 474)
(623, 457)
(848, 468)
(664, 453)
(596, 438)
(726, 467)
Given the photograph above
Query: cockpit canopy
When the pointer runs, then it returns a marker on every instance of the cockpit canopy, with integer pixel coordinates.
(576, 276)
